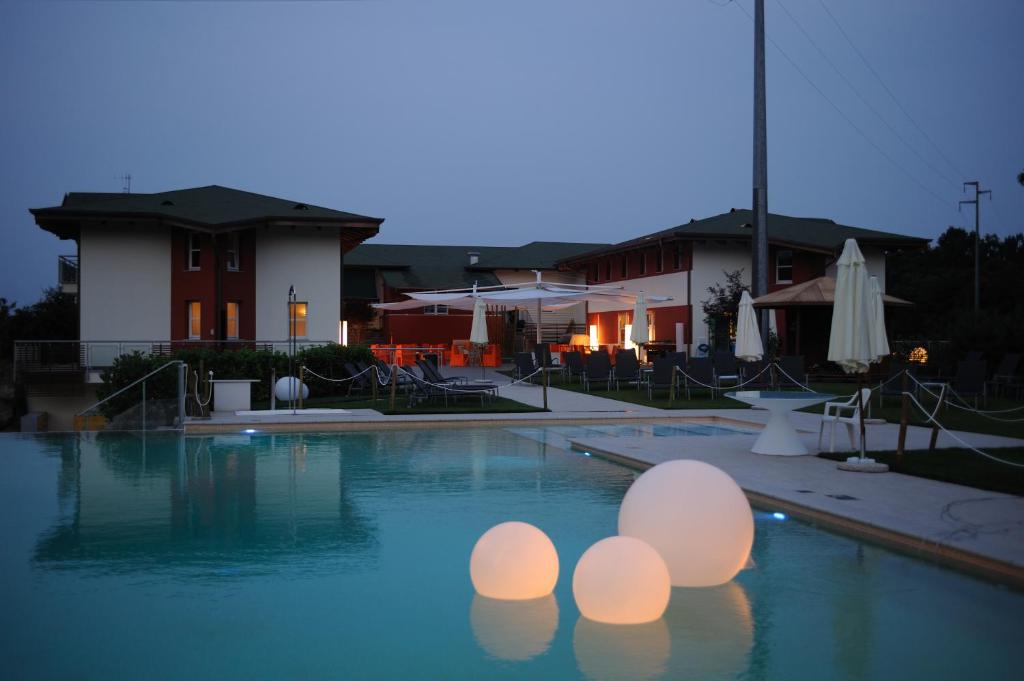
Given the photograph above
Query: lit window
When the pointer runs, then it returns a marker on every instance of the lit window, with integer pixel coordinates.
(784, 267)
(193, 250)
(297, 318)
(643, 263)
(195, 320)
(232, 256)
(435, 309)
(231, 321)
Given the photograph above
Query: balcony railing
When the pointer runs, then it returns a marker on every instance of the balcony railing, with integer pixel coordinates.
(67, 273)
(54, 357)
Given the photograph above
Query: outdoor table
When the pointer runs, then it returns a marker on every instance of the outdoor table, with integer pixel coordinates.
(779, 436)
(233, 394)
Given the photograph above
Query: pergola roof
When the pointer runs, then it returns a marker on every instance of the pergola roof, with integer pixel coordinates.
(818, 292)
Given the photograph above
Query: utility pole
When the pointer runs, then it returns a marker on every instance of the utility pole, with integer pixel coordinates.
(759, 238)
(977, 238)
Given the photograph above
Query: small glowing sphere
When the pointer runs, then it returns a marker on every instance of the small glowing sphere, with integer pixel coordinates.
(621, 580)
(695, 516)
(514, 561)
(287, 388)
(514, 630)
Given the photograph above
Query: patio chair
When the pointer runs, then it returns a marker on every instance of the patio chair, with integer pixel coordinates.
(974, 356)
(970, 380)
(524, 366)
(662, 376)
(542, 352)
(759, 375)
(574, 364)
(425, 390)
(599, 370)
(892, 386)
(1005, 375)
(627, 368)
(360, 382)
(726, 370)
(791, 371)
(700, 375)
(679, 359)
(847, 413)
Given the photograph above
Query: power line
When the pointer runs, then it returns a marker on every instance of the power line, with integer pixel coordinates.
(886, 88)
(842, 113)
(866, 103)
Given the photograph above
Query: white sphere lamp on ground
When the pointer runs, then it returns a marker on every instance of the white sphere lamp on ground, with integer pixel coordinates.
(287, 388)
(621, 580)
(695, 516)
(514, 561)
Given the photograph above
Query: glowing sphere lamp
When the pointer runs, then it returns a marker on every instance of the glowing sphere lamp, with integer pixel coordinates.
(695, 516)
(513, 561)
(621, 580)
(288, 387)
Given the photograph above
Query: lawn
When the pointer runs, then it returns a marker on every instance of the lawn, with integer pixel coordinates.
(466, 405)
(961, 466)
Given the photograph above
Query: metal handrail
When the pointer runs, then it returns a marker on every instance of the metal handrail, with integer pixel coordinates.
(131, 385)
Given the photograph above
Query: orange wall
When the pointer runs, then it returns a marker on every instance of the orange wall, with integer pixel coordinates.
(665, 319)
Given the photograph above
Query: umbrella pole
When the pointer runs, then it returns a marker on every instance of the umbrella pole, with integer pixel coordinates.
(860, 410)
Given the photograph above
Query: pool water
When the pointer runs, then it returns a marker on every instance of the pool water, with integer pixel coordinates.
(345, 556)
(562, 436)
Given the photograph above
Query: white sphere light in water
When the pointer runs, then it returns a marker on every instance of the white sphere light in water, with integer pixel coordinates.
(621, 580)
(514, 561)
(695, 516)
(287, 388)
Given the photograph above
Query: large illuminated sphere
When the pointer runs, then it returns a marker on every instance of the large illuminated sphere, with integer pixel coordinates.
(621, 580)
(287, 388)
(514, 561)
(514, 630)
(695, 516)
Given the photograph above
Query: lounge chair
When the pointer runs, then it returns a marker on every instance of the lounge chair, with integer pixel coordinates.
(574, 364)
(970, 380)
(430, 373)
(726, 370)
(791, 371)
(847, 413)
(756, 375)
(524, 366)
(360, 382)
(599, 370)
(627, 368)
(1005, 377)
(700, 375)
(663, 376)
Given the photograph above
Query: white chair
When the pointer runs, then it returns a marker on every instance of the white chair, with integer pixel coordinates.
(847, 413)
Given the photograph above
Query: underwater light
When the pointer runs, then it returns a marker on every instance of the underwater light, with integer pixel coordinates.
(249, 431)
(779, 516)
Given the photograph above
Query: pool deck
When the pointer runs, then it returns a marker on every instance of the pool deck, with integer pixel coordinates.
(973, 529)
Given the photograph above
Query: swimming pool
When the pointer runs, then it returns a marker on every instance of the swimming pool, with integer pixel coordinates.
(345, 555)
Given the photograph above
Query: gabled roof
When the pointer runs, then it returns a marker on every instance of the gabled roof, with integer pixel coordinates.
(814, 293)
(818, 234)
(213, 208)
(437, 267)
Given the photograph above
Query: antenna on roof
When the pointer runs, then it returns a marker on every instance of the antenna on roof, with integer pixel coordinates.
(126, 183)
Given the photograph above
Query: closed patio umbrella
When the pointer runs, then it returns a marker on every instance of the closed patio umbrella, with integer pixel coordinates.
(879, 341)
(478, 332)
(748, 337)
(639, 333)
(850, 343)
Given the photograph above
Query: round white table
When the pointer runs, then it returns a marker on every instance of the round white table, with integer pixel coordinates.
(779, 436)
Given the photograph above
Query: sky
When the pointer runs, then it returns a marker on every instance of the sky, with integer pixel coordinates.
(487, 123)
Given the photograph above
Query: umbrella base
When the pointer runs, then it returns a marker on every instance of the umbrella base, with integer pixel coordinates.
(855, 464)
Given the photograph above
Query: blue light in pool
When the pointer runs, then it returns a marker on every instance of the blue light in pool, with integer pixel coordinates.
(249, 431)
(779, 516)
(586, 453)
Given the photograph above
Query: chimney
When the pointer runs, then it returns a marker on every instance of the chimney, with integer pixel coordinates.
(474, 257)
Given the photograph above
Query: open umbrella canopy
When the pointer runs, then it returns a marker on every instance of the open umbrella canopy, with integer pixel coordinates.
(850, 345)
(879, 341)
(748, 336)
(639, 333)
(478, 332)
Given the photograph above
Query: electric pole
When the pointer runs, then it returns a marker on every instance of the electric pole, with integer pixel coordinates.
(977, 238)
(759, 238)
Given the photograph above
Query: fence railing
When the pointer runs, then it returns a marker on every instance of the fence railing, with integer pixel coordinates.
(155, 401)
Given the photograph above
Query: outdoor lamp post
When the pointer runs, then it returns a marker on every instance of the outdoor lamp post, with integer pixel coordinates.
(291, 346)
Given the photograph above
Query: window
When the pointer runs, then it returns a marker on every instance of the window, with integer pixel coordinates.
(643, 263)
(435, 309)
(298, 315)
(232, 256)
(659, 263)
(784, 267)
(608, 270)
(192, 256)
(594, 272)
(677, 257)
(195, 320)
(624, 263)
(231, 321)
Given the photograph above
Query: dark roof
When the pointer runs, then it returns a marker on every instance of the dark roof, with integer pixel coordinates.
(436, 267)
(818, 234)
(213, 207)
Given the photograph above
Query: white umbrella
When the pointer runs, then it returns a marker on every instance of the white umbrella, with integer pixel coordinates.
(879, 342)
(639, 333)
(748, 337)
(850, 344)
(478, 333)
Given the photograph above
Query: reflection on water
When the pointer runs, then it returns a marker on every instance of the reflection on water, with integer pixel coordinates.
(712, 632)
(616, 652)
(514, 630)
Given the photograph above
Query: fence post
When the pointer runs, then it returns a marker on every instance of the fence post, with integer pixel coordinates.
(302, 382)
(143, 406)
(904, 418)
(273, 389)
(181, 395)
(672, 385)
(544, 374)
(935, 424)
(374, 381)
(394, 385)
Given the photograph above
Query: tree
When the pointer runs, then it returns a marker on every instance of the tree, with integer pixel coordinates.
(54, 317)
(721, 308)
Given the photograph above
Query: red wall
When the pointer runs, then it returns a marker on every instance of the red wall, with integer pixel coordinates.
(436, 329)
(188, 285)
(633, 258)
(665, 319)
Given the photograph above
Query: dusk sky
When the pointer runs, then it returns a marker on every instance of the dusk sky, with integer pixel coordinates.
(502, 123)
